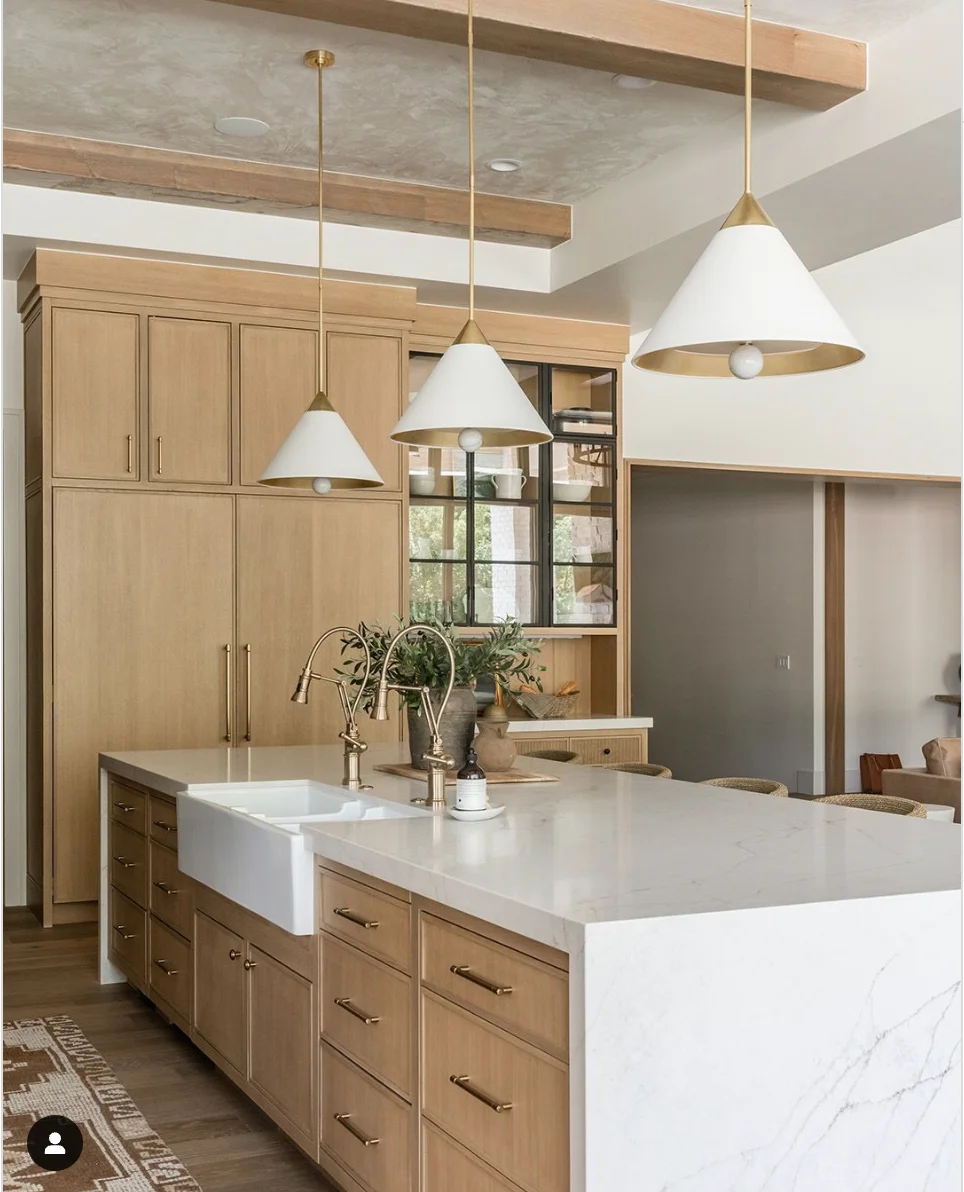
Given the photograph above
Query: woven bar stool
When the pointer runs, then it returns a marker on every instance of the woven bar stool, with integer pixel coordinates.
(555, 755)
(892, 804)
(759, 786)
(648, 768)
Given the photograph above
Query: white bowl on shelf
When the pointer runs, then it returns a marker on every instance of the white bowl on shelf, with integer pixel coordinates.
(571, 491)
(422, 484)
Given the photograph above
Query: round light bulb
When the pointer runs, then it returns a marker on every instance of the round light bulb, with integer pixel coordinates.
(321, 485)
(746, 362)
(470, 439)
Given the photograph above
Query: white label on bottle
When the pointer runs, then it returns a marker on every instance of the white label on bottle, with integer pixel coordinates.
(470, 794)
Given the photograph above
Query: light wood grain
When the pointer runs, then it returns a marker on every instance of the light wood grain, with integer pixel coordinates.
(525, 745)
(127, 945)
(297, 952)
(95, 395)
(189, 396)
(835, 657)
(173, 899)
(128, 862)
(162, 820)
(689, 47)
(33, 397)
(171, 971)
(446, 1165)
(524, 337)
(594, 750)
(220, 1012)
(127, 805)
(279, 378)
(390, 940)
(365, 387)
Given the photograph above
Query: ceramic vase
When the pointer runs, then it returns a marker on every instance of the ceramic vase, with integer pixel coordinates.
(494, 748)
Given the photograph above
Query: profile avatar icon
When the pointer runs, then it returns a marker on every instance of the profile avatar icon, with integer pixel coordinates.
(55, 1143)
(53, 1147)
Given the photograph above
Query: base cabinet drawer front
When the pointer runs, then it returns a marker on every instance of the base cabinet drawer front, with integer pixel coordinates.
(171, 892)
(375, 922)
(602, 750)
(365, 1127)
(219, 1002)
(163, 820)
(127, 806)
(281, 1038)
(524, 996)
(171, 971)
(447, 1167)
(524, 745)
(367, 1011)
(501, 1098)
(128, 862)
(128, 937)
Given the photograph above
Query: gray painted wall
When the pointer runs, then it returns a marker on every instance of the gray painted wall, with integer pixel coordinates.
(722, 584)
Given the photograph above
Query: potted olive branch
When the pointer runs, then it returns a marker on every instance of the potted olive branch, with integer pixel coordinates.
(505, 652)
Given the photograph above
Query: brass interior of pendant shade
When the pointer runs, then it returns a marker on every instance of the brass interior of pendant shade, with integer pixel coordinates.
(681, 363)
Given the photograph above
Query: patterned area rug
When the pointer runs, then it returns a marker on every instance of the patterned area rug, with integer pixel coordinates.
(50, 1068)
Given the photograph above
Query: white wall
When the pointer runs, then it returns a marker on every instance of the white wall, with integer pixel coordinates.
(898, 412)
(903, 617)
(14, 628)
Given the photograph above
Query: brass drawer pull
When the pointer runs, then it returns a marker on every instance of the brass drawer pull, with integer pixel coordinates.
(165, 968)
(358, 920)
(346, 1004)
(123, 932)
(123, 861)
(247, 690)
(165, 827)
(464, 1083)
(250, 964)
(165, 888)
(130, 453)
(125, 806)
(234, 954)
(160, 458)
(463, 971)
(344, 1119)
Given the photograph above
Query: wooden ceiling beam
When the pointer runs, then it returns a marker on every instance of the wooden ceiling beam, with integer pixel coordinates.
(654, 39)
(499, 217)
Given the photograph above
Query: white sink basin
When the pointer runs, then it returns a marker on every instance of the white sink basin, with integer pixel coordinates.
(244, 840)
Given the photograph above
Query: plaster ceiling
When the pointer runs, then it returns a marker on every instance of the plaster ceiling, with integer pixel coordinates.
(159, 72)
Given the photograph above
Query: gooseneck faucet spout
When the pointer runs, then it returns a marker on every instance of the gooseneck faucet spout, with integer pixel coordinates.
(354, 745)
(437, 760)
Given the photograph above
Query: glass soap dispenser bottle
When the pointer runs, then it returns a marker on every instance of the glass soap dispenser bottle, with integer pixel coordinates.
(470, 785)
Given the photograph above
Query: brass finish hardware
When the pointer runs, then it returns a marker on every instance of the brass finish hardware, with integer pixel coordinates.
(247, 685)
(160, 458)
(344, 1119)
(165, 826)
(130, 453)
(358, 920)
(234, 954)
(367, 1019)
(463, 971)
(123, 861)
(123, 932)
(165, 888)
(250, 964)
(228, 728)
(165, 967)
(125, 806)
(464, 1083)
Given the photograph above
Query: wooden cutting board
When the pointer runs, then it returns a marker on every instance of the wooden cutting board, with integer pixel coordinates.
(512, 775)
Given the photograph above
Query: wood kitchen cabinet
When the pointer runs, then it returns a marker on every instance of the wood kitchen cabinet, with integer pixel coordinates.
(365, 381)
(219, 990)
(279, 378)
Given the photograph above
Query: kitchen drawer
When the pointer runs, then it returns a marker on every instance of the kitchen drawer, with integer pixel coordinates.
(127, 947)
(373, 991)
(369, 1114)
(127, 806)
(511, 1105)
(375, 922)
(524, 996)
(524, 745)
(171, 971)
(447, 1166)
(128, 862)
(163, 820)
(598, 750)
(171, 893)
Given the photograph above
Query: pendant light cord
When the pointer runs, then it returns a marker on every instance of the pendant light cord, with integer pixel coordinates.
(747, 94)
(471, 42)
(321, 224)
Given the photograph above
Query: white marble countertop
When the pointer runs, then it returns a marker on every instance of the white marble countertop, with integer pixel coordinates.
(596, 847)
(585, 724)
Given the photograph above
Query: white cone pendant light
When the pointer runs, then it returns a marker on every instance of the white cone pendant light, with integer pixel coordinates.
(749, 307)
(470, 399)
(320, 453)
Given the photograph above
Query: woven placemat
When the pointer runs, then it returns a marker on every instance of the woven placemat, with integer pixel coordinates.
(512, 775)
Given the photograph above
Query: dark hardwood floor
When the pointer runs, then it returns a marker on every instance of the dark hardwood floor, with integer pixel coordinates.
(225, 1142)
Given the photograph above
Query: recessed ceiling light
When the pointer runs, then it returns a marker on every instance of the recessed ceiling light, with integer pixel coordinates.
(505, 165)
(241, 126)
(632, 82)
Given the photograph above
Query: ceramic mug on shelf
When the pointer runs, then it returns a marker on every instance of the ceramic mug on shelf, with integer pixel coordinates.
(508, 485)
(422, 484)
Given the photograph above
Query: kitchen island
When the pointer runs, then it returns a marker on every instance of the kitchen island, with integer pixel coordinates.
(757, 993)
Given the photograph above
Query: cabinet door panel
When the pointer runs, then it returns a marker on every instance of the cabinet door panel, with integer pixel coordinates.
(279, 368)
(281, 1042)
(143, 607)
(219, 1010)
(365, 385)
(190, 401)
(303, 567)
(95, 374)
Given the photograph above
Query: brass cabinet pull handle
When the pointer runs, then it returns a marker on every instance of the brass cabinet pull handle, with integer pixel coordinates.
(165, 968)
(464, 1083)
(344, 1119)
(130, 453)
(234, 954)
(463, 971)
(359, 920)
(164, 826)
(228, 733)
(160, 458)
(165, 888)
(250, 964)
(346, 1004)
(123, 861)
(124, 806)
(123, 932)
(247, 683)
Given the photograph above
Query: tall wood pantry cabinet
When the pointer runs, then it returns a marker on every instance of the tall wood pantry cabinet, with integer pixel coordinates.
(171, 600)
